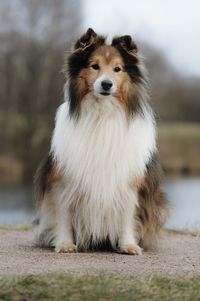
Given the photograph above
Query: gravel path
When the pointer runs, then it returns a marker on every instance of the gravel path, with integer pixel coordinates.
(179, 254)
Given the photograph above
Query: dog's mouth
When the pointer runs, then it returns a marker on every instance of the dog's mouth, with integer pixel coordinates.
(105, 93)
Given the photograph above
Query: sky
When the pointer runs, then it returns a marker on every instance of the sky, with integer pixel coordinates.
(173, 26)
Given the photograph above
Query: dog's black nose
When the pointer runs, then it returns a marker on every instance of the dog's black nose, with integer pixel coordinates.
(106, 85)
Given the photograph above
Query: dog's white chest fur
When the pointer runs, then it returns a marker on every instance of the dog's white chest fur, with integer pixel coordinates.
(101, 154)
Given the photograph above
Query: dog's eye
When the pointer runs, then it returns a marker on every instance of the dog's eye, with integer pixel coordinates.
(95, 66)
(117, 69)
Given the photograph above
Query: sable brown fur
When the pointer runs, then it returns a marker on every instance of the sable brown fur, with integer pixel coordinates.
(76, 62)
(153, 206)
(46, 175)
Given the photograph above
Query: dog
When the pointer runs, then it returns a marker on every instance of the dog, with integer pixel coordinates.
(100, 183)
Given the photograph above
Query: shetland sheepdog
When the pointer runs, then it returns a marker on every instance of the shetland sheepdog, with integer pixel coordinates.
(100, 183)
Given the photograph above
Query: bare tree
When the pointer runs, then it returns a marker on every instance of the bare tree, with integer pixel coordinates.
(33, 39)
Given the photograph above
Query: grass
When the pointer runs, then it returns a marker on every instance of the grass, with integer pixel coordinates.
(179, 147)
(193, 232)
(24, 227)
(57, 287)
(180, 129)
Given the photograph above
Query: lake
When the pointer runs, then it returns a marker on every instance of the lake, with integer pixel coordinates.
(17, 204)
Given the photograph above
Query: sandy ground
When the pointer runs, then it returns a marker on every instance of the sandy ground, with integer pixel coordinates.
(179, 254)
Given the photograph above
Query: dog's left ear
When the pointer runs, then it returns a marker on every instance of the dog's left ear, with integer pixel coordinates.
(126, 43)
(86, 40)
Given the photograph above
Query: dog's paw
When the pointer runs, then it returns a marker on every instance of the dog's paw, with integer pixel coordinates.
(131, 249)
(65, 248)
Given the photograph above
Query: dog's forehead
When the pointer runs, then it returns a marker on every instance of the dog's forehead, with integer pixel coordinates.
(107, 53)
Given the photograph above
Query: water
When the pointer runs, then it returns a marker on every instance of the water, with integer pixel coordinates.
(17, 204)
(184, 196)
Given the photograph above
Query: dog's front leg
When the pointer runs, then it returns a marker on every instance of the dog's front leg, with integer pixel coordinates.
(64, 233)
(127, 238)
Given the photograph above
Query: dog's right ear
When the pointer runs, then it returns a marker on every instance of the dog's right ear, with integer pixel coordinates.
(126, 43)
(86, 40)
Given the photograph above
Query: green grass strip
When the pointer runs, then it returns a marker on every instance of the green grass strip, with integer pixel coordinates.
(60, 287)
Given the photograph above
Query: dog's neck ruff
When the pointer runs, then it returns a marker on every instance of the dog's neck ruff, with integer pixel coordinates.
(102, 140)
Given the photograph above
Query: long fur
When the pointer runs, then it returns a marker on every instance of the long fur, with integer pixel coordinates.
(101, 180)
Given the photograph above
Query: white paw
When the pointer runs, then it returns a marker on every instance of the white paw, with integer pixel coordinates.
(131, 249)
(65, 248)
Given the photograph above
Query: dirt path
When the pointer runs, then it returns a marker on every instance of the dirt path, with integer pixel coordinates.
(178, 255)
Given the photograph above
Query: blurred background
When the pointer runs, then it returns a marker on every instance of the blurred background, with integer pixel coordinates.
(34, 37)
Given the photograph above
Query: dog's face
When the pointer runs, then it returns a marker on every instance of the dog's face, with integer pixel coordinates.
(103, 70)
(105, 73)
